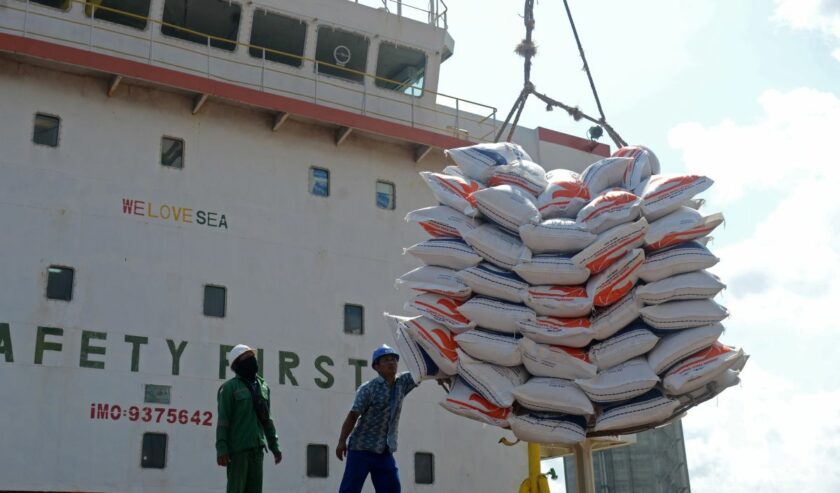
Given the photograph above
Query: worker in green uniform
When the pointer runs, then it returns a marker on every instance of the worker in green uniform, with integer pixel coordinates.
(244, 428)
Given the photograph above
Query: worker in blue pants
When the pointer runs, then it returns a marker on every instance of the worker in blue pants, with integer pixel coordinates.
(372, 424)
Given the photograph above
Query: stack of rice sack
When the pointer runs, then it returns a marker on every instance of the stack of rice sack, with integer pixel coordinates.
(565, 304)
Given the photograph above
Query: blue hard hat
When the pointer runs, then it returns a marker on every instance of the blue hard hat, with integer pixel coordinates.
(383, 350)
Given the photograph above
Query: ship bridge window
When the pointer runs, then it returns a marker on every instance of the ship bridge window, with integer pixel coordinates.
(341, 53)
(400, 69)
(45, 130)
(215, 301)
(153, 455)
(386, 195)
(282, 37)
(131, 13)
(59, 4)
(198, 20)
(424, 468)
(60, 283)
(316, 461)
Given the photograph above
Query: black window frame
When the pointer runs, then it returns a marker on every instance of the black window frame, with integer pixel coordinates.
(144, 460)
(257, 51)
(72, 271)
(311, 471)
(311, 180)
(138, 20)
(48, 116)
(333, 69)
(417, 477)
(393, 186)
(347, 328)
(176, 30)
(224, 301)
(380, 82)
(67, 4)
(183, 156)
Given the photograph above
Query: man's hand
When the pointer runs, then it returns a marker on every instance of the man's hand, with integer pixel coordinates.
(278, 456)
(341, 451)
(223, 460)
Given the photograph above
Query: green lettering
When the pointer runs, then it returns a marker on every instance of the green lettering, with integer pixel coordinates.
(6, 343)
(288, 360)
(42, 345)
(87, 349)
(223, 362)
(359, 364)
(176, 353)
(135, 342)
(327, 382)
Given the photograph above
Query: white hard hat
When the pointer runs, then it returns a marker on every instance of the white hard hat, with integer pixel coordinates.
(238, 351)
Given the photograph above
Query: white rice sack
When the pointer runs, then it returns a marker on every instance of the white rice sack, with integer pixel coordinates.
(436, 340)
(558, 301)
(496, 246)
(465, 401)
(685, 257)
(523, 173)
(689, 286)
(664, 194)
(494, 382)
(608, 321)
(564, 196)
(604, 174)
(634, 340)
(454, 191)
(677, 346)
(442, 221)
(727, 379)
(609, 209)
(543, 360)
(537, 427)
(453, 253)
(553, 395)
(556, 236)
(442, 310)
(612, 284)
(551, 269)
(680, 226)
(621, 382)
(508, 206)
(494, 314)
(492, 347)
(650, 408)
(478, 161)
(488, 280)
(700, 368)
(644, 164)
(570, 332)
(683, 314)
(452, 170)
(417, 361)
(435, 280)
(611, 245)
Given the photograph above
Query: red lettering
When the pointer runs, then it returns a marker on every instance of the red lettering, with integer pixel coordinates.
(128, 204)
(116, 412)
(102, 411)
(139, 208)
(92, 410)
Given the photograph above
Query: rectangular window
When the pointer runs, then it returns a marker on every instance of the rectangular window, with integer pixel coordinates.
(198, 20)
(172, 152)
(400, 69)
(59, 4)
(59, 283)
(354, 319)
(131, 13)
(385, 195)
(316, 461)
(45, 130)
(424, 468)
(157, 394)
(319, 182)
(214, 301)
(344, 53)
(278, 33)
(154, 451)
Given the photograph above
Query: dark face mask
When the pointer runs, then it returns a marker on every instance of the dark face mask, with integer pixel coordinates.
(247, 368)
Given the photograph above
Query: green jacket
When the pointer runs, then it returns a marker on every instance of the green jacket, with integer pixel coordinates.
(238, 427)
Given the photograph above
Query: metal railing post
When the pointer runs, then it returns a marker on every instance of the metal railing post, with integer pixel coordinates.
(316, 81)
(90, 29)
(412, 111)
(208, 57)
(26, 18)
(457, 117)
(262, 73)
(151, 39)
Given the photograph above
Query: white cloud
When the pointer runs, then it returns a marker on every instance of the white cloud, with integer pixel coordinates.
(836, 54)
(793, 141)
(765, 436)
(811, 15)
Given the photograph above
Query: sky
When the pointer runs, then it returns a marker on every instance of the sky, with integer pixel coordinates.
(746, 92)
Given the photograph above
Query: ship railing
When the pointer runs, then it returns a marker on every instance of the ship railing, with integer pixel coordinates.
(433, 111)
(432, 12)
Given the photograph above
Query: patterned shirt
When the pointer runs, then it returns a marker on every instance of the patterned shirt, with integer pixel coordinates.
(379, 405)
